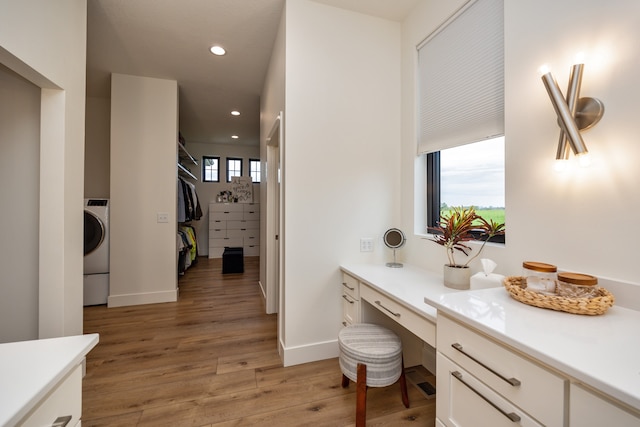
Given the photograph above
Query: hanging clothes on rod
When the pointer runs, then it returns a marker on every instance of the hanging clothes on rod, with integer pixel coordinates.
(189, 208)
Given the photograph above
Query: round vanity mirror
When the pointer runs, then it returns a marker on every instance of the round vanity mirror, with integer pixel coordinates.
(394, 239)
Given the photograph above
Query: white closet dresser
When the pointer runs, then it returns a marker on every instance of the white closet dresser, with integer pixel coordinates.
(235, 225)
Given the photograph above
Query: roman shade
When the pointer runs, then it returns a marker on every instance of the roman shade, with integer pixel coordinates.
(461, 78)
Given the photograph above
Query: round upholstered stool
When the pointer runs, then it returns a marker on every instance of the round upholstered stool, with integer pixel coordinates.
(370, 355)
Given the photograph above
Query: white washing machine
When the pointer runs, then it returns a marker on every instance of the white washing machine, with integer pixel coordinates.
(96, 251)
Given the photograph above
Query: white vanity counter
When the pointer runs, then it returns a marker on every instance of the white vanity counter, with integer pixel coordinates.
(30, 370)
(600, 351)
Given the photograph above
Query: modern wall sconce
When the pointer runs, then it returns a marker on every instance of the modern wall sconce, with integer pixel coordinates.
(574, 113)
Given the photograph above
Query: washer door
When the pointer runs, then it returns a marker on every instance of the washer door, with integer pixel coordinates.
(94, 232)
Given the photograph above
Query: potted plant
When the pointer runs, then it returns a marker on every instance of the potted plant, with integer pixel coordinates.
(453, 231)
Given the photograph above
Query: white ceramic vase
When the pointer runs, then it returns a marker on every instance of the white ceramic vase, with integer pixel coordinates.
(456, 277)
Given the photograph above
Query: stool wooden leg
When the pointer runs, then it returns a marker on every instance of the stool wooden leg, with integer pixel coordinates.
(361, 396)
(403, 387)
(345, 381)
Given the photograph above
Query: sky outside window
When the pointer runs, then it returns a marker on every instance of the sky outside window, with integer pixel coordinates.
(473, 174)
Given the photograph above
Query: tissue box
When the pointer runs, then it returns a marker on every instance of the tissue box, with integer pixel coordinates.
(484, 281)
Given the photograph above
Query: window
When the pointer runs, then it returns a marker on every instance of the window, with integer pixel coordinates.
(210, 169)
(254, 170)
(234, 168)
(468, 175)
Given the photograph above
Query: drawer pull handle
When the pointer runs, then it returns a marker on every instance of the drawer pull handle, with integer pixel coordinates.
(61, 421)
(348, 300)
(513, 381)
(344, 323)
(379, 304)
(511, 415)
(348, 287)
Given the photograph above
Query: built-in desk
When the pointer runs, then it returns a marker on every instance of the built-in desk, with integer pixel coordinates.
(401, 291)
(592, 362)
(398, 293)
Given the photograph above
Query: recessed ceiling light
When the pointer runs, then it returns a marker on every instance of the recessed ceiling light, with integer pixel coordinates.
(218, 50)
(234, 136)
(235, 113)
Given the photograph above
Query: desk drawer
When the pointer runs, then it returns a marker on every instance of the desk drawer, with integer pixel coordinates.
(530, 386)
(415, 323)
(350, 286)
(350, 310)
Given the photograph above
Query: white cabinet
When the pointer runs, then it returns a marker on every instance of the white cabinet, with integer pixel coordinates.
(65, 400)
(234, 225)
(42, 380)
(463, 400)
(476, 375)
(587, 409)
(350, 300)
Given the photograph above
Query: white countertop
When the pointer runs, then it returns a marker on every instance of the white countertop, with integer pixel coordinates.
(600, 351)
(30, 369)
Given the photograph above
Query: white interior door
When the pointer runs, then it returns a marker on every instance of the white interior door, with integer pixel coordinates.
(273, 221)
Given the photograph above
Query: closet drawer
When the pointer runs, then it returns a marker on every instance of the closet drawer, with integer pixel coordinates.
(224, 216)
(235, 232)
(225, 207)
(221, 243)
(249, 235)
(418, 325)
(242, 224)
(217, 223)
(530, 386)
(252, 250)
(251, 211)
(218, 233)
(251, 240)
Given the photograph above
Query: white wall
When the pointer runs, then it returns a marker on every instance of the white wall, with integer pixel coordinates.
(45, 42)
(144, 131)
(582, 221)
(19, 191)
(342, 124)
(207, 191)
(97, 148)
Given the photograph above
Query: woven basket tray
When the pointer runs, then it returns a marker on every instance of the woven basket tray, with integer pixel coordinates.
(515, 285)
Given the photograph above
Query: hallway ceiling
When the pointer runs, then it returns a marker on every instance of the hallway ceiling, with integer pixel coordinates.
(170, 39)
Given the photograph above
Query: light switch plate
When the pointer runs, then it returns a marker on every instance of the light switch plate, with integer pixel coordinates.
(163, 217)
(366, 244)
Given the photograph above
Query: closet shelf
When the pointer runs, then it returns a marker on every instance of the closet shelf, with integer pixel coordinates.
(186, 171)
(184, 156)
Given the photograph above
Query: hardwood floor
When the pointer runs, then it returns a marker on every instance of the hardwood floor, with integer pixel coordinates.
(211, 359)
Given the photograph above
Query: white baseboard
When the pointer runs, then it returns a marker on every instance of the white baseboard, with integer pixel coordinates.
(144, 298)
(310, 353)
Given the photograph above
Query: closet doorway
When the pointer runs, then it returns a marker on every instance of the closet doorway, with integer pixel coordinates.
(274, 260)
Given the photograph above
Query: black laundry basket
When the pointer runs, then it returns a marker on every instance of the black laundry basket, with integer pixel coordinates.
(233, 260)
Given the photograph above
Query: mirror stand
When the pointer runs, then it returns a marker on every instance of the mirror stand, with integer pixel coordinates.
(394, 264)
(394, 239)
